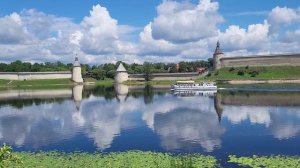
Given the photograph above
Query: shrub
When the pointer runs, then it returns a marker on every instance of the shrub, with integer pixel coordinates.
(208, 75)
(253, 73)
(247, 67)
(7, 157)
(231, 69)
(241, 73)
(216, 73)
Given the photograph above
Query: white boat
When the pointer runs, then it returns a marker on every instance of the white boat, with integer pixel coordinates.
(191, 85)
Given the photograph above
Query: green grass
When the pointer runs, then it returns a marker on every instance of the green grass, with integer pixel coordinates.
(153, 82)
(272, 72)
(272, 161)
(49, 83)
(130, 159)
(40, 82)
(105, 82)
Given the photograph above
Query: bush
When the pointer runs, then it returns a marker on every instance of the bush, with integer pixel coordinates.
(231, 69)
(241, 73)
(7, 157)
(208, 75)
(111, 74)
(253, 73)
(216, 73)
(247, 67)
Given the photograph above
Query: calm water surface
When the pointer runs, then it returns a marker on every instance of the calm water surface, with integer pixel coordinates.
(121, 118)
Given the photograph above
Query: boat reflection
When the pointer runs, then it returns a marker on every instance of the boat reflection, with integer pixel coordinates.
(191, 93)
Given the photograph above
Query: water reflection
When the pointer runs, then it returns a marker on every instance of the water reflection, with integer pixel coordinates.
(277, 111)
(184, 122)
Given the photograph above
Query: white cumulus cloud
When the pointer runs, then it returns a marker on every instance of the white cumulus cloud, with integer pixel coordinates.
(12, 30)
(237, 38)
(280, 16)
(182, 22)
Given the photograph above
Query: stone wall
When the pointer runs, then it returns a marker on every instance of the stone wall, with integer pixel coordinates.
(166, 76)
(261, 60)
(35, 75)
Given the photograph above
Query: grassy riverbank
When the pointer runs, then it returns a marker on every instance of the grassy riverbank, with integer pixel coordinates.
(255, 73)
(50, 83)
(41, 82)
(154, 82)
(222, 76)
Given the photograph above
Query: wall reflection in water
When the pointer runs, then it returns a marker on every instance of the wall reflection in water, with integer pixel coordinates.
(32, 119)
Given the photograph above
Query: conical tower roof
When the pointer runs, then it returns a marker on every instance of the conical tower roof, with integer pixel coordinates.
(218, 49)
(121, 68)
(76, 62)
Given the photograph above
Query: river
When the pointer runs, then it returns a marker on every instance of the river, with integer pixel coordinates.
(122, 118)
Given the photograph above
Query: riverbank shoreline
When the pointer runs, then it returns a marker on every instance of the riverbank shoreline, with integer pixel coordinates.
(63, 83)
(262, 81)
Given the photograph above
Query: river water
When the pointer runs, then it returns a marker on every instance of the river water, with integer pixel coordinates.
(125, 118)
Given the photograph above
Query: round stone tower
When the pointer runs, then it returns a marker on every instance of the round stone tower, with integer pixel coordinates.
(121, 74)
(76, 72)
(217, 56)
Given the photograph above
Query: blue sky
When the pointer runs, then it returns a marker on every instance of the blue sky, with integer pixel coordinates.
(145, 30)
(140, 12)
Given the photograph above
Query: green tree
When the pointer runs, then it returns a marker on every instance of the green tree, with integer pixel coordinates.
(210, 62)
(183, 66)
(148, 70)
(3, 67)
(98, 74)
(111, 74)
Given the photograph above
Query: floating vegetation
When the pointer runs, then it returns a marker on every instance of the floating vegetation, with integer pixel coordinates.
(272, 161)
(134, 159)
(130, 159)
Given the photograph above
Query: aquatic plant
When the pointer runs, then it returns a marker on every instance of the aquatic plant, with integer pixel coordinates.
(130, 159)
(263, 161)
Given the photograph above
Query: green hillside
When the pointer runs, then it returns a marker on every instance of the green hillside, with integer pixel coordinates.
(255, 73)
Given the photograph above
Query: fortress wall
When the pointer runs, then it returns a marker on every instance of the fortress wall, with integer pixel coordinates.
(9, 76)
(166, 76)
(34, 75)
(275, 60)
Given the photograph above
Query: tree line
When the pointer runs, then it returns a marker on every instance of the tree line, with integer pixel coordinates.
(107, 70)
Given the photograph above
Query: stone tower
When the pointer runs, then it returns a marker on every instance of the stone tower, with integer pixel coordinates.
(217, 55)
(121, 74)
(76, 72)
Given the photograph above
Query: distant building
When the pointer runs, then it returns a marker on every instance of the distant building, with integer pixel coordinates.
(121, 74)
(201, 69)
(76, 72)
